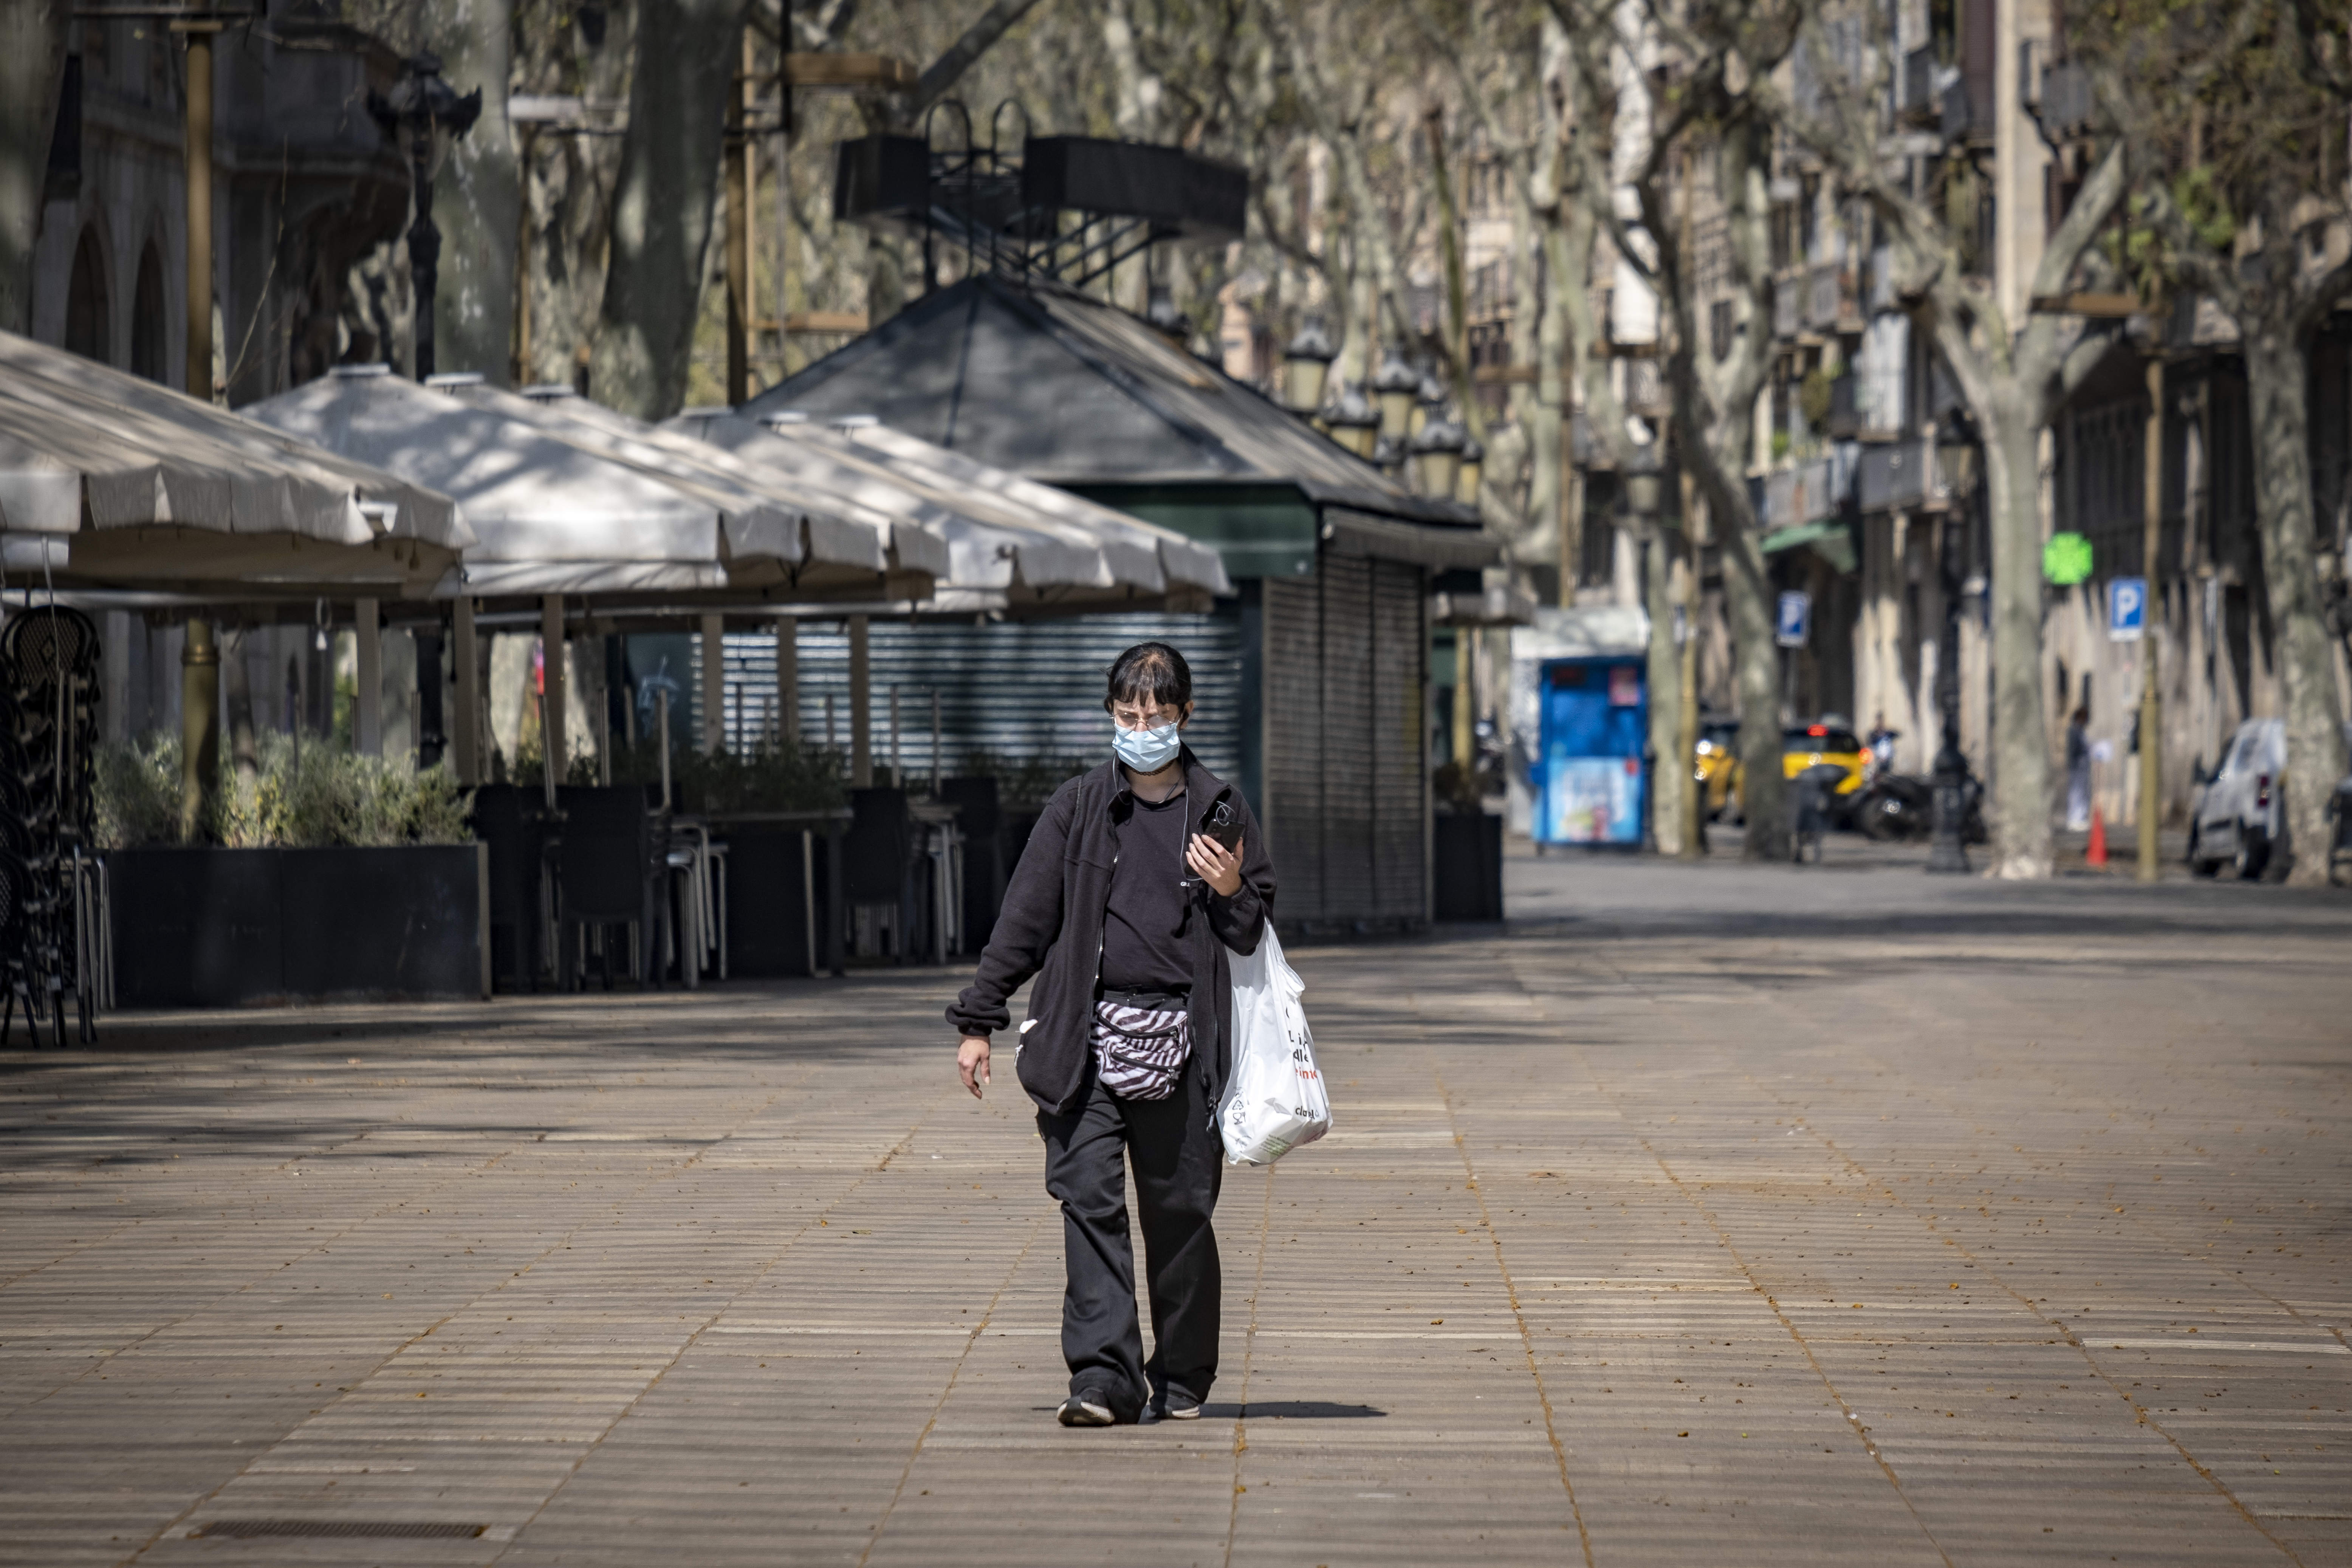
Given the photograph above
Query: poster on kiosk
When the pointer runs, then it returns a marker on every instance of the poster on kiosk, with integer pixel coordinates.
(1595, 722)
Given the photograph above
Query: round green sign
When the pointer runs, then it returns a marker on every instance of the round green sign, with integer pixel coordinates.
(2067, 560)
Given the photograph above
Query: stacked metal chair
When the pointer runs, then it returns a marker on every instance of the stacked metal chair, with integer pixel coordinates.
(55, 947)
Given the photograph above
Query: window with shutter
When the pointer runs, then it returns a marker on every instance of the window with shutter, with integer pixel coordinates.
(1292, 811)
(1349, 722)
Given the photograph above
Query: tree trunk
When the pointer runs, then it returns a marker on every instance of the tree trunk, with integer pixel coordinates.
(2276, 372)
(32, 65)
(475, 199)
(667, 190)
(237, 686)
(1748, 606)
(2020, 739)
(1670, 770)
(1549, 413)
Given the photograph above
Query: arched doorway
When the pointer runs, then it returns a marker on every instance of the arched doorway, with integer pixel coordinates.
(87, 317)
(149, 331)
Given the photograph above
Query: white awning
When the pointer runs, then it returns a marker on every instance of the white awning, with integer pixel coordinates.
(1005, 554)
(109, 481)
(766, 516)
(563, 509)
(1182, 560)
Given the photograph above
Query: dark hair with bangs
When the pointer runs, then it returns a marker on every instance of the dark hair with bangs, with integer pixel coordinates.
(1150, 672)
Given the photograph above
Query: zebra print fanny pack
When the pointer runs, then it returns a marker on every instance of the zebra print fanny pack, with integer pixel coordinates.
(1139, 1049)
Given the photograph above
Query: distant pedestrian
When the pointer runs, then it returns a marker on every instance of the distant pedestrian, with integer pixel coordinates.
(1882, 746)
(1125, 907)
(2078, 771)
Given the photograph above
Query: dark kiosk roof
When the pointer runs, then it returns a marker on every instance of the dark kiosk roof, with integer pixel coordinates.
(1043, 381)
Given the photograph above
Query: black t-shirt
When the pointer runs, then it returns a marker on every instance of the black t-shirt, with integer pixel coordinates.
(1142, 948)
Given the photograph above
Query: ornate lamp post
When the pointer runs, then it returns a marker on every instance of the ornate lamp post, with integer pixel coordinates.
(1350, 420)
(1428, 406)
(1956, 456)
(1466, 476)
(1395, 385)
(423, 116)
(1438, 451)
(1305, 364)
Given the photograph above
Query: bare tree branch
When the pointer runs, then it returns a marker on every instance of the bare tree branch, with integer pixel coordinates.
(948, 70)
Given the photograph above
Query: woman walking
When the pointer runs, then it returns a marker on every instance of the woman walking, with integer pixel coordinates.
(1138, 880)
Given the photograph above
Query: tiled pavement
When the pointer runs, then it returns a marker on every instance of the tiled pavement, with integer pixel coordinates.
(1705, 1215)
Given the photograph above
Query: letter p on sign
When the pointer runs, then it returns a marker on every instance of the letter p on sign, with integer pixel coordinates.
(2127, 609)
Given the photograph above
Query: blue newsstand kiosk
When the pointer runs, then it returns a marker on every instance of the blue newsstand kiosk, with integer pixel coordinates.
(1590, 785)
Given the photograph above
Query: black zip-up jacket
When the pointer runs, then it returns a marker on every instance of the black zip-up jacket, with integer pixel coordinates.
(1052, 927)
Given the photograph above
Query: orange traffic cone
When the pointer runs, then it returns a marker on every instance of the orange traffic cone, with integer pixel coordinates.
(2097, 855)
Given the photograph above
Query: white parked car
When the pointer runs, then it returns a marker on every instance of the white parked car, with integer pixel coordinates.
(2240, 812)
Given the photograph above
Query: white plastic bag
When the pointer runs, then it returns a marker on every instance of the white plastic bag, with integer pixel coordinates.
(1276, 1098)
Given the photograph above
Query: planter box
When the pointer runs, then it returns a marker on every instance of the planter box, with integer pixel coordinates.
(216, 927)
(1467, 857)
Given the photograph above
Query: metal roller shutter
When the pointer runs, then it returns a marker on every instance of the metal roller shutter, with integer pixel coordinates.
(1022, 690)
(1293, 807)
(1349, 880)
(1398, 735)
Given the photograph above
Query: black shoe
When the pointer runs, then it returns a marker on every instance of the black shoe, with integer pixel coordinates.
(1086, 1409)
(1173, 1404)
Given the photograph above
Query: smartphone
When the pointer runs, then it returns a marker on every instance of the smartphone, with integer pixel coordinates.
(1224, 824)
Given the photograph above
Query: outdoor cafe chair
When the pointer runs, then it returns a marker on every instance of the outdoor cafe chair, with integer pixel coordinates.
(609, 877)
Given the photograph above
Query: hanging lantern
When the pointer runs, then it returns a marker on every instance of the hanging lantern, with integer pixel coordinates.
(1466, 478)
(1643, 481)
(1350, 420)
(1429, 404)
(1437, 453)
(1305, 364)
(1161, 313)
(1396, 387)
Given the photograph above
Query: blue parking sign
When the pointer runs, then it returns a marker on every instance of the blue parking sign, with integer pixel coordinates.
(2127, 609)
(1796, 616)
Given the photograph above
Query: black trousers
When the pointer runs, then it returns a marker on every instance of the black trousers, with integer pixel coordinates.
(1178, 1163)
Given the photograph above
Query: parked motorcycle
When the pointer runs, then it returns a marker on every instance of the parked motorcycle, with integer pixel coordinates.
(1901, 807)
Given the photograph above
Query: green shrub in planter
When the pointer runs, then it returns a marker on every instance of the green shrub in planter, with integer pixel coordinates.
(316, 799)
(776, 775)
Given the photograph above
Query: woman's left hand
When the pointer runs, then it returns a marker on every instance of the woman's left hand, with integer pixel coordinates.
(1214, 864)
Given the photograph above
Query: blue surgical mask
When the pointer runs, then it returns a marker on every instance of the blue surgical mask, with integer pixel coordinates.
(1145, 751)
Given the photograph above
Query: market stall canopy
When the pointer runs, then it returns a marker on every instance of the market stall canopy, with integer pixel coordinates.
(1040, 380)
(1006, 556)
(818, 547)
(558, 511)
(110, 481)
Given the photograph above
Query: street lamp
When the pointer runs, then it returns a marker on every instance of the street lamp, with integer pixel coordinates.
(1956, 461)
(1395, 385)
(1350, 421)
(1643, 485)
(1305, 364)
(1160, 311)
(1466, 476)
(423, 115)
(1429, 402)
(1438, 450)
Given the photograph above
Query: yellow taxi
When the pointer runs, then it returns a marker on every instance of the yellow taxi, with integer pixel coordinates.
(1811, 745)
